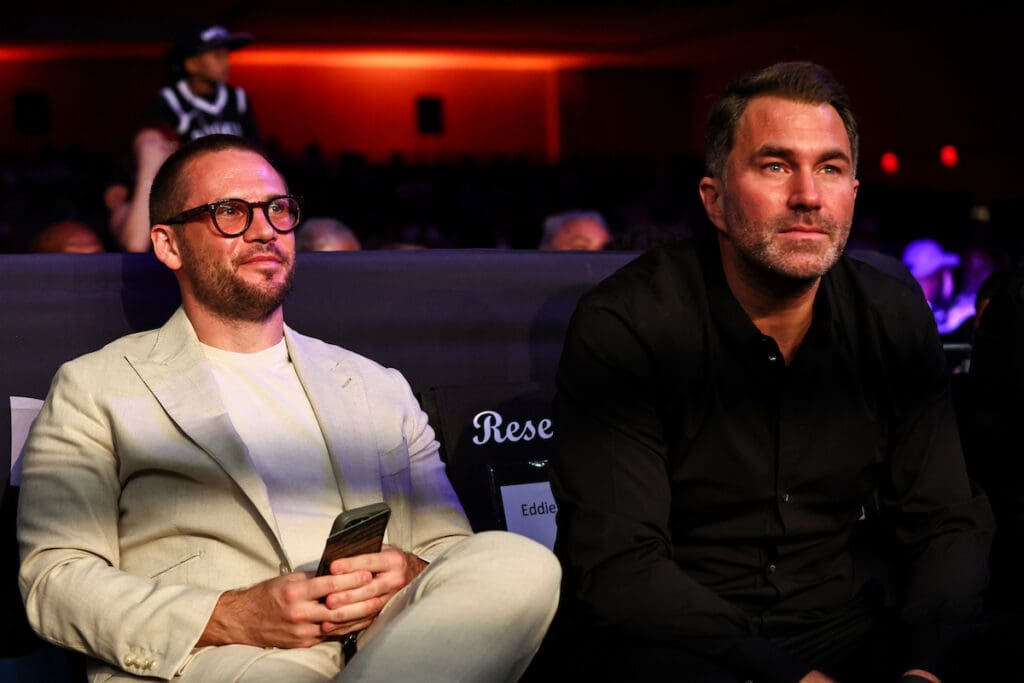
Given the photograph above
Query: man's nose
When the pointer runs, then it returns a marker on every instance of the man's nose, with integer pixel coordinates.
(260, 230)
(804, 191)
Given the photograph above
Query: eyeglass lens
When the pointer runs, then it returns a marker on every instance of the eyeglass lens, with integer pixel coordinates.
(235, 215)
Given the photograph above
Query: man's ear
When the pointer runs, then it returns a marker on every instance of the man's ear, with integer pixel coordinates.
(711, 197)
(165, 245)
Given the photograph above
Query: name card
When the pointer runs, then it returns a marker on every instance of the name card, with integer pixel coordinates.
(530, 510)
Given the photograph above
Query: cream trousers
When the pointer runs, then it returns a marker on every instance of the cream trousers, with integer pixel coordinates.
(476, 614)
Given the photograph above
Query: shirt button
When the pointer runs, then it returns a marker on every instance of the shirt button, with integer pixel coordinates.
(283, 568)
(771, 568)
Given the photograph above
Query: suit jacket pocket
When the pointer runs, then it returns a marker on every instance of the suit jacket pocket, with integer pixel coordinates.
(395, 461)
(176, 567)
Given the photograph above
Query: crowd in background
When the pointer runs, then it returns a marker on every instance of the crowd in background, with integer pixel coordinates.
(500, 203)
(464, 204)
(75, 201)
(61, 201)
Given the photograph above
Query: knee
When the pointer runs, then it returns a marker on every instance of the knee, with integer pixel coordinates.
(523, 557)
(514, 565)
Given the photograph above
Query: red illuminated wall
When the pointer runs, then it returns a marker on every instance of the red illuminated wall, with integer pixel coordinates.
(93, 102)
(540, 108)
(373, 110)
(626, 112)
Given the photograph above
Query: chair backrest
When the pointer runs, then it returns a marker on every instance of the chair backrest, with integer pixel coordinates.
(495, 440)
(16, 636)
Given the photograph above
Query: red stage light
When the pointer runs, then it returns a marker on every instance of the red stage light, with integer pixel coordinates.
(948, 155)
(890, 162)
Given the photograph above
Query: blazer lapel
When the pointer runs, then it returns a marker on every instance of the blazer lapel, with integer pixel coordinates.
(178, 374)
(338, 395)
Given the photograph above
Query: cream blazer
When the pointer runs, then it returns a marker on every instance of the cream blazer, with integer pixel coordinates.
(139, 505)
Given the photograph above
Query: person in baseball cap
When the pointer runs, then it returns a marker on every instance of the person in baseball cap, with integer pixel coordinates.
(197, 102)
(925, 257)
(199, 39)
(932, 267)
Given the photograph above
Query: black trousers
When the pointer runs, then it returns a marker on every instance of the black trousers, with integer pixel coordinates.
(864, 644)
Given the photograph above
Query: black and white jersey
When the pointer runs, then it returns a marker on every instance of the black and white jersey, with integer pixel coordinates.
(191, 116)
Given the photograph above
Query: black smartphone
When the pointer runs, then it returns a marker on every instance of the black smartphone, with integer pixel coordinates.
(355, 532)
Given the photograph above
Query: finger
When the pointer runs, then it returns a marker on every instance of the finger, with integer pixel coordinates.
(345, 581)
(371, 589)
(373, 562)
(356, 611)
(342, 628)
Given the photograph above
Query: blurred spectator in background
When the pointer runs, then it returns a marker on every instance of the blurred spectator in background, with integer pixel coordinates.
(976, 265)
(993, 283)
(129, 209)
(68, 237)
(991, 429)
(575, 231)
(198, 102)
(966, 332)
(933, 268)
(323, 233)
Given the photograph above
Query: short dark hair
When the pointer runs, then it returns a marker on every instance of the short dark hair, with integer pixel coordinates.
(798, 81)
(170, 186)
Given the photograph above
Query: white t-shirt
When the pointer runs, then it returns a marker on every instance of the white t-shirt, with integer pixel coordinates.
(271, 412)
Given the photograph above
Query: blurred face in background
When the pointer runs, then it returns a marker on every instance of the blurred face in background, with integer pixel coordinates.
(68, 237)
(583, 234)
(210, 67)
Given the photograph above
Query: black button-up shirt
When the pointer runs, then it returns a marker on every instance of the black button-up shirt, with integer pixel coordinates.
(707, 490)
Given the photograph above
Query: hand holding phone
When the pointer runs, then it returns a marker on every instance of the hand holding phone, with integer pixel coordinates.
(355, 532)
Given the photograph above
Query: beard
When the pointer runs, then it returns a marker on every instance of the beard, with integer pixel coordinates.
(767, 255)
(223, 292)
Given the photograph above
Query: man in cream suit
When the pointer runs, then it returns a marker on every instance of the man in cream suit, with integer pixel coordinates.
(179, 484)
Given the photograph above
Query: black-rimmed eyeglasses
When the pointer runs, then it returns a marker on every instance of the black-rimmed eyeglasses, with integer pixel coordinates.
(232, 217)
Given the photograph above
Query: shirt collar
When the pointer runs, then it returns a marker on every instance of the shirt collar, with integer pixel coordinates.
(735, 326)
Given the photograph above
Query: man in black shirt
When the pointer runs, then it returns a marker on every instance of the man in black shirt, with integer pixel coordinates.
(756, 465)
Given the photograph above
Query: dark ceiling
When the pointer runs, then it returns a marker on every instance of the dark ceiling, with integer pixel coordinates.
(684, 32)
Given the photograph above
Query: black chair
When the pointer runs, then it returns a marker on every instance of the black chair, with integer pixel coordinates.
(495, 440)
